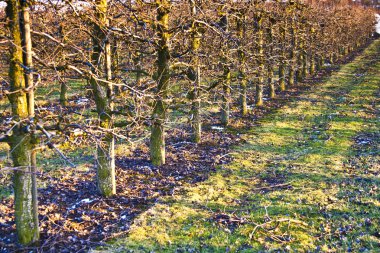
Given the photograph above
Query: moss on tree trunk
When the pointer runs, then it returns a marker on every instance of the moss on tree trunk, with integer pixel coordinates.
(300, 59)
(270, 74)
(226, 96)
(21, 143)
(157, 138)
(24, 188)
(260, 59)
(242, 61)
(282, 76)
(63, 94)
(27, 54)
(106, 166)
(226, 77)
(195, 78)
(103, 92)
(282, 66)
(304, 65)
(293, 33)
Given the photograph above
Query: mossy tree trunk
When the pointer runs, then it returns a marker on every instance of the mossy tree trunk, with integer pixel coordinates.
(331, 58)
(282, 66)
(312, 51)
(63, 93)
(63, 83)
(226, 78)
(115, 62)
(195, 76)
(304, 65)
(242, 61)
(226, 96)
(272, 90)
(260, 58)
(300, 55)
(293, 34)
(321, 61)
(103, 91)
(25, 188)
(312, 64)
(22, 141)
(27, 54)
(137, 62)
(157, 138)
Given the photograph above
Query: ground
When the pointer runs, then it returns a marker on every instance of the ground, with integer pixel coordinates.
(306, 179)
(300, 175)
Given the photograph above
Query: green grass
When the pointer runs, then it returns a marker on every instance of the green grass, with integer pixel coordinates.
(46, 94)
(316, 200)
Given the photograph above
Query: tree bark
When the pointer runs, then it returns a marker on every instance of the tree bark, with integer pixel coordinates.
(270, 74)
(312, 64)
(157, 138)
(196, 76)
(63, 93)
(242, 60)
(25, 189)
(103, 92)
(226, 79)
(282, 67)
(260, 57)
(21, 141)
(225, 116)
(293, 34)
(27, 55)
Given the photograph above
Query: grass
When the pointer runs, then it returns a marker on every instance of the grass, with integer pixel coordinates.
(302, 182)
(49, 93)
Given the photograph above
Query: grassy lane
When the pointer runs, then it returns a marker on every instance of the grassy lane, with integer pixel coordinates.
(307, 179)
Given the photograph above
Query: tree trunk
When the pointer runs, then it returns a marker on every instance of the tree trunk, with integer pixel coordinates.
(319, 63)
(312, 64)
(242, 60)
(331, 58)
(282, 67)
(157, 138)
(270, 74)
(115, 62)
(243, 95)
(304, 65)
(225, 116)
(293, 50)
(260, 57)
(226, 79)
(27, 54)
(272, 89)
(196, 76)
(300, 60)
(282, 77)
(63, 93)
(291, 76)
(103, 92)
(21, 142)
(25, 189)
(196, 108)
